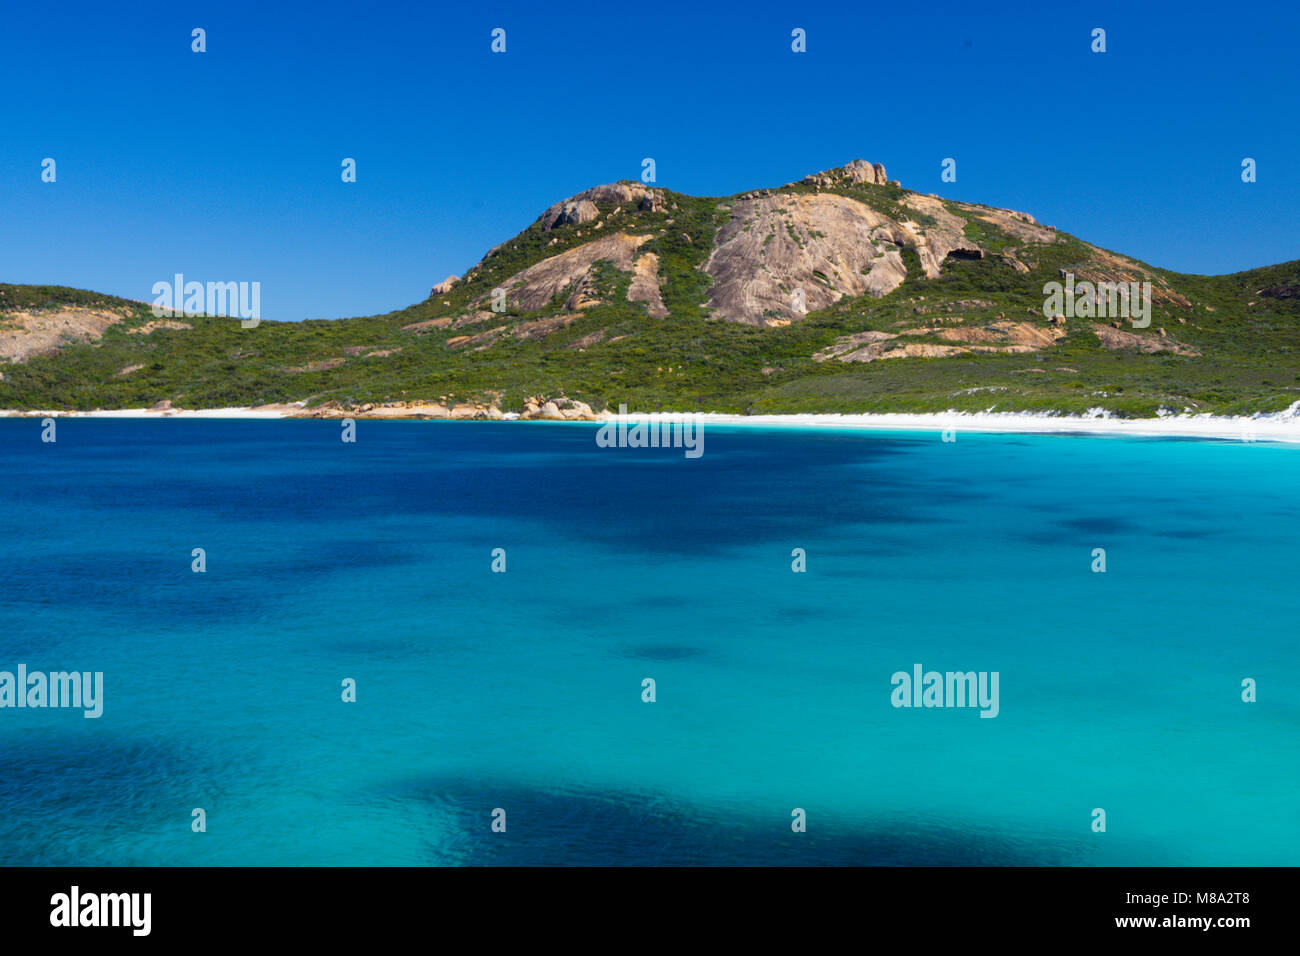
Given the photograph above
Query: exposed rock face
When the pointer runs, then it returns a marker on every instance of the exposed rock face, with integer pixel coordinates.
(557, 409)
(584, 294)
(1001, 336)
(824, 244)
(946, 238)
(999, 333)
(877, 351)
(541, 328)
(645, 285)
(574, 213)
(445, 285)
(786, 252)
(427, 325)
(480, 341)
(467, 412)
(1113, 338)
(1109, 267)
(397, 410)
(857, 172)
(1281, 292)
(464, 411)
(320, 366)
(582, 207)
(1021, 225)
(29, 334)
(473, 318)
(849, 348)
(593, 338)
(537, 285)
(577, 411)
(150, 327)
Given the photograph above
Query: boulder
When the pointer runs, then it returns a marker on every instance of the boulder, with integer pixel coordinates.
(575, 213)
(857, 172)
(582, 207)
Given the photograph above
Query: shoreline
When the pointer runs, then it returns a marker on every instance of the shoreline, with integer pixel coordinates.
(1280, 427)
(1277, 427)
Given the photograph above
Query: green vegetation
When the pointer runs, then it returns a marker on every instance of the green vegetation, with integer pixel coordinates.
(27, 297)
(615, 352)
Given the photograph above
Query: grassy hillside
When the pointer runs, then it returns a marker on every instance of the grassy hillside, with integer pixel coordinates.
(614, 352)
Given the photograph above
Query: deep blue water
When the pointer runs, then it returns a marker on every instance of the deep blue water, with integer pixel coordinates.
(479, 690)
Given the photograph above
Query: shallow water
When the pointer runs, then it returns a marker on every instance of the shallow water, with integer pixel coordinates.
(479, 690)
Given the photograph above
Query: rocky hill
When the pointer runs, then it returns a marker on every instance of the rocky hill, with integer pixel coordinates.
(841, 291)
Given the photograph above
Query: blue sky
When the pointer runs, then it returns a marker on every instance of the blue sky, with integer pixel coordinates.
(225, 165)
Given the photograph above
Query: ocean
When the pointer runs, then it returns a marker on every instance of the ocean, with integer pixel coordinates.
(500, 716)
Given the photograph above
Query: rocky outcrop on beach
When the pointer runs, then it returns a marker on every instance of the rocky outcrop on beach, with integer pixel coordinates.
(560, 408)
(557, 409)
(409, 409)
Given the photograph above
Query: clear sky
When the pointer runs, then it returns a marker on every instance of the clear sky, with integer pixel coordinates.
(225, 165)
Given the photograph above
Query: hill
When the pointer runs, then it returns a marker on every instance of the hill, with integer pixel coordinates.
(841, 292)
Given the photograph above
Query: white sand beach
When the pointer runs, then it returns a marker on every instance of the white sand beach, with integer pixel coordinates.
(1278, 427)
(1283, 426)
(260, 411)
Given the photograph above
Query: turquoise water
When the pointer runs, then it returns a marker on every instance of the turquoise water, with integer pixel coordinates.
(522, 690)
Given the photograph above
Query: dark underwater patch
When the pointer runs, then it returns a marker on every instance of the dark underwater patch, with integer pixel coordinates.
(660, 652)
(61, 789)
(1100, 524)
(576, 827)
(653, 499)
